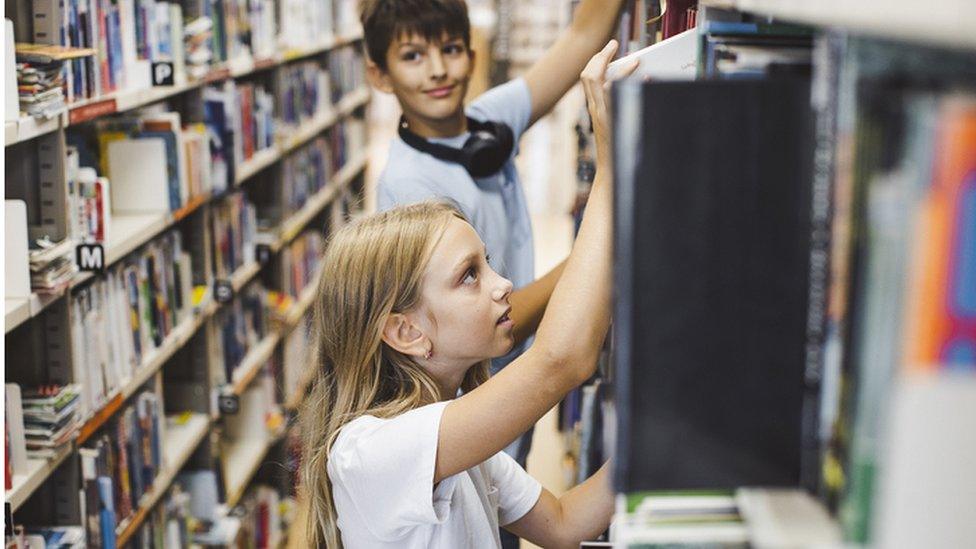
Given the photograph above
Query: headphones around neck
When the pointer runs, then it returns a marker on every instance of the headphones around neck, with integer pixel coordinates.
(482, 155)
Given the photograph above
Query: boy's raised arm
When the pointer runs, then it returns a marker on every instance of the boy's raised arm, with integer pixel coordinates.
(559, 68)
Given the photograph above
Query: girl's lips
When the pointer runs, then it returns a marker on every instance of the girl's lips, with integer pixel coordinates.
(440, 92)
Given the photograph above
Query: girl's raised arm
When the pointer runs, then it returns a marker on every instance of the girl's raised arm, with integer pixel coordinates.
(484, 421)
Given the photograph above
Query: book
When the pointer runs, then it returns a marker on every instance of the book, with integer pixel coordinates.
(705, 225)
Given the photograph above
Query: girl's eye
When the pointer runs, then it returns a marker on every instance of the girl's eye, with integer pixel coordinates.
(470, 277)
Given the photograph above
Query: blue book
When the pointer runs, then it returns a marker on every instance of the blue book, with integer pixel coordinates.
(106, 514)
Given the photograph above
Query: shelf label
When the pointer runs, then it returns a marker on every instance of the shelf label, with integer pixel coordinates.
(262, 252)
(90, 258)
(163, 73)
(91, 111)
(223, 291)
(229, 404)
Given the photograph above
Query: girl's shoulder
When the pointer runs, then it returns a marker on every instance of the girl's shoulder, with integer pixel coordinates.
(371, 438)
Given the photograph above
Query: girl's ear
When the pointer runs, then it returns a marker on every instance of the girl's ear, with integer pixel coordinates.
(402, 335)
(377, 77)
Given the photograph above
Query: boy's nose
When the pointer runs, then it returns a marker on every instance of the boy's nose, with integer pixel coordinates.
(437, 67)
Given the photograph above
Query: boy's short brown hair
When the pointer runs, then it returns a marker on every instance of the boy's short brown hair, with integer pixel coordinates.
(386, 20)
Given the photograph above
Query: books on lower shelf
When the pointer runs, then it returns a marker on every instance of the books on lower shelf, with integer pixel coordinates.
(346, 70)
(306, 171)
(300, 262)
(118, 320)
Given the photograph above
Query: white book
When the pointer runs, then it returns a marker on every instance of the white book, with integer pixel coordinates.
(11, 106)
(15, 428)
(140, 182)
(17, 266)
(673, 59)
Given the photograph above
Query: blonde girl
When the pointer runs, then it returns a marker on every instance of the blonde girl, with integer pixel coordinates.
(408, 316)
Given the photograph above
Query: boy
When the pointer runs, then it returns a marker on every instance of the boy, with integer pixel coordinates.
(419, 50)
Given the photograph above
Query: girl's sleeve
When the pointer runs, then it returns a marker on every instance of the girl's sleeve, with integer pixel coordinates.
(382, 472)
(518, 491)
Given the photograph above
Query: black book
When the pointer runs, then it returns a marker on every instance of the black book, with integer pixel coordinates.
(712, 255)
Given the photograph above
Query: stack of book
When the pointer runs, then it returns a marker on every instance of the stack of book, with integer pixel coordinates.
(52, 265)
(50, 418)
(39, 88)
(40, 76)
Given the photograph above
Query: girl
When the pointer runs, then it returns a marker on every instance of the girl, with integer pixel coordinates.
(409, 314)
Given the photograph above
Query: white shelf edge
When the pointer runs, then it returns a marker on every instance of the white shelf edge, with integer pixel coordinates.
(947, 23)
(39, 470)
(17, 310)
(252, 452)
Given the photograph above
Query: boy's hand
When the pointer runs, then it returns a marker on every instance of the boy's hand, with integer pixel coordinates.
(595, 87)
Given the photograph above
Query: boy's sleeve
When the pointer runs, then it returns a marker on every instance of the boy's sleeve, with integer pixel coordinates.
(518, 491)
(385, 468)
(510, 103)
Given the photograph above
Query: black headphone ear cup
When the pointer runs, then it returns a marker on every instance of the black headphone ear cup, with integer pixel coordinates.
(484, 155)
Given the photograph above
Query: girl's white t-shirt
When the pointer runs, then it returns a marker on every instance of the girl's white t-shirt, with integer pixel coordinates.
(382, 473)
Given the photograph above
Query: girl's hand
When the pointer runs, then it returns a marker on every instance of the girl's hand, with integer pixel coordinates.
(595, 86)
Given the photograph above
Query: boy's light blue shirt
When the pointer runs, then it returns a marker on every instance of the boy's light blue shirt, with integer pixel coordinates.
(495, 205)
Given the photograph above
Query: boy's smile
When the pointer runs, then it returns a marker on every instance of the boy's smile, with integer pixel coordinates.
(429, 79)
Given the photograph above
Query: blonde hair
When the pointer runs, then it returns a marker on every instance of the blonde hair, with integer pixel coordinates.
(373, 267)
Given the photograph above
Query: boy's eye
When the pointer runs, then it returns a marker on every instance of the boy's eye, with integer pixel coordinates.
(410, 56)
(453, 49)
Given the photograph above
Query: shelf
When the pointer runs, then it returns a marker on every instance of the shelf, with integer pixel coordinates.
(16, 312)
(124, 100)
(37, 471)
(255, 164)
(305, 299)
(253, 361)
(304, 133)
(179, 442)
(946, 23)
(151, 363)
(242, 461)
(28, 127)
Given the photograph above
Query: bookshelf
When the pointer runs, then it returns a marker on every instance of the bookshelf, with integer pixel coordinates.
(945, 23)
(842, 354)
(214, 282)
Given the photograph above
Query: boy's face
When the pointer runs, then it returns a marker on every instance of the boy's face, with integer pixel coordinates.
(429, 79)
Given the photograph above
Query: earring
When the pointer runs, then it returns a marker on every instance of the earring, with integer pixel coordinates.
(429, 354)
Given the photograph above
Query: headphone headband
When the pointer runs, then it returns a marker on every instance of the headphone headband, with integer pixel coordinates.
(483, 154)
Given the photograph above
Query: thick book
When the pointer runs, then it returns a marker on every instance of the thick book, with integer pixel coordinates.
(712, 251)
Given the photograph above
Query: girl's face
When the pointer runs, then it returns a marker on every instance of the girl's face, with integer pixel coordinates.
(464, 309)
